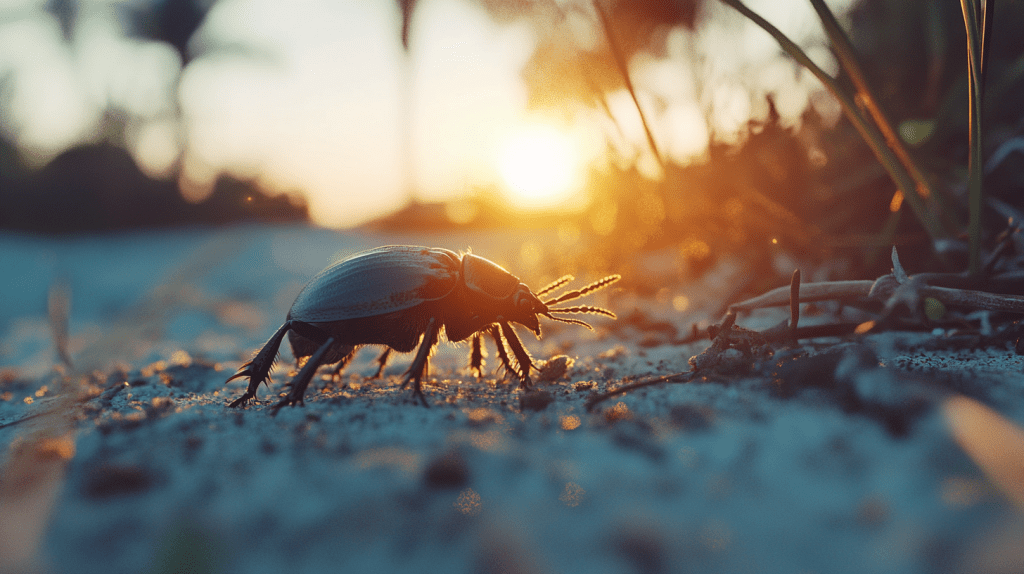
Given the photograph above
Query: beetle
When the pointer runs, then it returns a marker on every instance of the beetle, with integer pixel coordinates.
(403, 295)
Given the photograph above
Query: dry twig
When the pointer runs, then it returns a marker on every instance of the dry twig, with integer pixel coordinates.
(893, 290)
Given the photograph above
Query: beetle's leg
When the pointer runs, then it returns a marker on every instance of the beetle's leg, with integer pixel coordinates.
(522, 356)
(419, 364)
(258, 369)
(382, 362)
(301, 380)
(476, 356)
(502, 353)
(318, 336)
(338, 368)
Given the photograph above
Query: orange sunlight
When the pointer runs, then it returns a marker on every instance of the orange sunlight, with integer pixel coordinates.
(541, 168)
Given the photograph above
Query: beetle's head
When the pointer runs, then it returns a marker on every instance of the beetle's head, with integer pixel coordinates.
(501, 293)
(498, 294)
(526, 307)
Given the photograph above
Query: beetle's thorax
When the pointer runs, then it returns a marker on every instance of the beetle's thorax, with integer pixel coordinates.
(486, 279)
(488, 294)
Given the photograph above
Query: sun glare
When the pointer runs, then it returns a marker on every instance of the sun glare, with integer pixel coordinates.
(541, 168)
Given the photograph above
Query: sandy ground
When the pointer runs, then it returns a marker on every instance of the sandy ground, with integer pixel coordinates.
(836, 456)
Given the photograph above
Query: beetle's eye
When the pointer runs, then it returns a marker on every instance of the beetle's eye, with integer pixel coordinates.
(522, 301)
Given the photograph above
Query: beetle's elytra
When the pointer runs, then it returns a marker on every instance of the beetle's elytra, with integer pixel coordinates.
(400, 296)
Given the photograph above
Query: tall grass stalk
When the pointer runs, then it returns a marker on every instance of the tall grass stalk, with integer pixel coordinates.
(843, 48)
(978, 20)
(620, 62)
(868, 130)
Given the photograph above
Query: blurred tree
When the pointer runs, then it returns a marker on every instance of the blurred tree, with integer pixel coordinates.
(110, 192)
(406, 8)
(65, 11)
(170, 21)
(98, 186)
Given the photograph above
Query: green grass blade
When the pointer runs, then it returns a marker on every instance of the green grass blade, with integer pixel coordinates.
(843, 48)
(975, 44)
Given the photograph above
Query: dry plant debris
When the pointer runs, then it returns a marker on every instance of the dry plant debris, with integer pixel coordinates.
(928, 304)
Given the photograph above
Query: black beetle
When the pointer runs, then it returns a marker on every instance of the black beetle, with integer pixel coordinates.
(400, 295)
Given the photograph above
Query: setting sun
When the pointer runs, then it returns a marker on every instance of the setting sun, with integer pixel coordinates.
(540, 167)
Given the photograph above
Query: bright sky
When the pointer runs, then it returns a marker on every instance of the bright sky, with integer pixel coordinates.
(311, 96)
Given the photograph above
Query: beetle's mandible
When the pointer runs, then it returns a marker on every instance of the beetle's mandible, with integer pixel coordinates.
(399, 296)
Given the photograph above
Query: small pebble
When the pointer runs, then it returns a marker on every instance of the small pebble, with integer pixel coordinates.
(535, 400)
(554, 368)
(449, 470)
(110, 480)
(691, 417)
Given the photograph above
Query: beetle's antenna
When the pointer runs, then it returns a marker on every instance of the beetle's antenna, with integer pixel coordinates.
(576, 294)
(555, 285)
(571, 321)
(588, 309)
